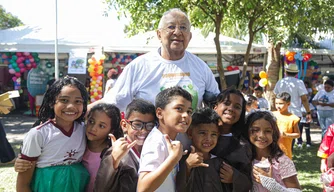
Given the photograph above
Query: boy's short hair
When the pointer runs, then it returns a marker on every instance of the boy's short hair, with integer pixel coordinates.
(329, 82)
(258, 88)
(205, 116)
(166, 96)
(250, 99)
(284, 96)
(140, 106)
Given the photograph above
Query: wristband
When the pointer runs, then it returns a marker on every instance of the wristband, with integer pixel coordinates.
(309, 113)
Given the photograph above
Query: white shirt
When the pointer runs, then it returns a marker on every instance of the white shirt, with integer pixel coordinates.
(155, 152)
(149, 74)
(296, 88)
(263, 103)
(49, 145)
(324, 97)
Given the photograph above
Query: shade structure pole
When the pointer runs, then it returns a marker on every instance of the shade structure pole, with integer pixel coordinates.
(56, 45)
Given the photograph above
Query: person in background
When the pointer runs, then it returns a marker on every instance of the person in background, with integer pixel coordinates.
(324, 101)
(321, 85)
(298, 92)
(304, 124)
(263, 103)
(287, 123)
(272, 170)
(112, 77)
(251, 103)
(7, 154)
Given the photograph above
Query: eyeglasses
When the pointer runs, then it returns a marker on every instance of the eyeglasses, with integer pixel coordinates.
(172, 28)
(139, 125)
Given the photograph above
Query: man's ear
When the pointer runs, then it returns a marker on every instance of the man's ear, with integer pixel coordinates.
(159, 34)
(124, 126)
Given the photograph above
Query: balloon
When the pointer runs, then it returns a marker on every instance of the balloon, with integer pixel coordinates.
(263, 82)
(22, 70)
(17, 69)
(18, 74)
(14, 57)
(14, 78)
(26, 53)
(103, 57)
(12, 71)
(263, 74)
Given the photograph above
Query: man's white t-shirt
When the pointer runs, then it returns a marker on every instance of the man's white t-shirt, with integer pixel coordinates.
(324, 97)
(296, 88)
(153, 154)
(149, 74)
(51, 145)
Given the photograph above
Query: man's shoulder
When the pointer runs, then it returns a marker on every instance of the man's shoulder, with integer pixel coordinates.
(194, 57)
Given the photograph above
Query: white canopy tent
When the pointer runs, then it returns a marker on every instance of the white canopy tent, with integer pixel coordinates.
(41, 39)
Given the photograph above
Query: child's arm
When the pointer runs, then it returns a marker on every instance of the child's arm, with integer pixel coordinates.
(150, 181)
(24, 179)
(295, 134)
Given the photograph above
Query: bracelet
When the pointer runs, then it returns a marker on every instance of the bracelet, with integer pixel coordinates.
(308, 112)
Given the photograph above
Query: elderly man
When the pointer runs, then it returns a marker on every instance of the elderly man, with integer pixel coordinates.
(169, 65)
(296, 88)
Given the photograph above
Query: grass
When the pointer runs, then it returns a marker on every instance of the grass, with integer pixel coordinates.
(308, 167)
(8, 175)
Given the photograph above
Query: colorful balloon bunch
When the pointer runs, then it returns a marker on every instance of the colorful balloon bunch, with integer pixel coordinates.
(118, 58)
(95, 70)
(298, 58)
(18, 63)
(264, 79)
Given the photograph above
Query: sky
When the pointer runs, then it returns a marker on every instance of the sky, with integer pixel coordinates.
(87, 14)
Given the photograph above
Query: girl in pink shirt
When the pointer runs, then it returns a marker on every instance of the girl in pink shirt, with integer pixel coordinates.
(102, 120)
(272, 170)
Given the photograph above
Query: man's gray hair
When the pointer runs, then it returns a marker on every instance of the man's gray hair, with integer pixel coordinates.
(161, 22)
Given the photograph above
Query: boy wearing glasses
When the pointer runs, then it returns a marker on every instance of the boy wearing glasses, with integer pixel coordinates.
(160, 154)
(119, 165)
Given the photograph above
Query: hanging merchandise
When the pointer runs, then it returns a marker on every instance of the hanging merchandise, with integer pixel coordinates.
(95, 71)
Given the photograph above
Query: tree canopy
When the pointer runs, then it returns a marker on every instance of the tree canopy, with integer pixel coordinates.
(7, 20)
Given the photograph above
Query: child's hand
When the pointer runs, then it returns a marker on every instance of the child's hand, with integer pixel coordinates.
(21, 165)
(226, 173)
(258, 171)
(195, 159)
(175, 148)
(120, 148)
(323, 167)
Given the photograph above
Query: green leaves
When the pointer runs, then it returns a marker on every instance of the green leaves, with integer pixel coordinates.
(7, 20)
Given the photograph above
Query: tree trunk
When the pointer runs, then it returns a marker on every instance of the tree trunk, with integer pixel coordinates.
(219, 53)
(246, 59)
(272, 69)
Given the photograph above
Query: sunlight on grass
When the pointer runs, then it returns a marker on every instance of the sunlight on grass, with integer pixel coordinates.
(308, 168)
(7, 178)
